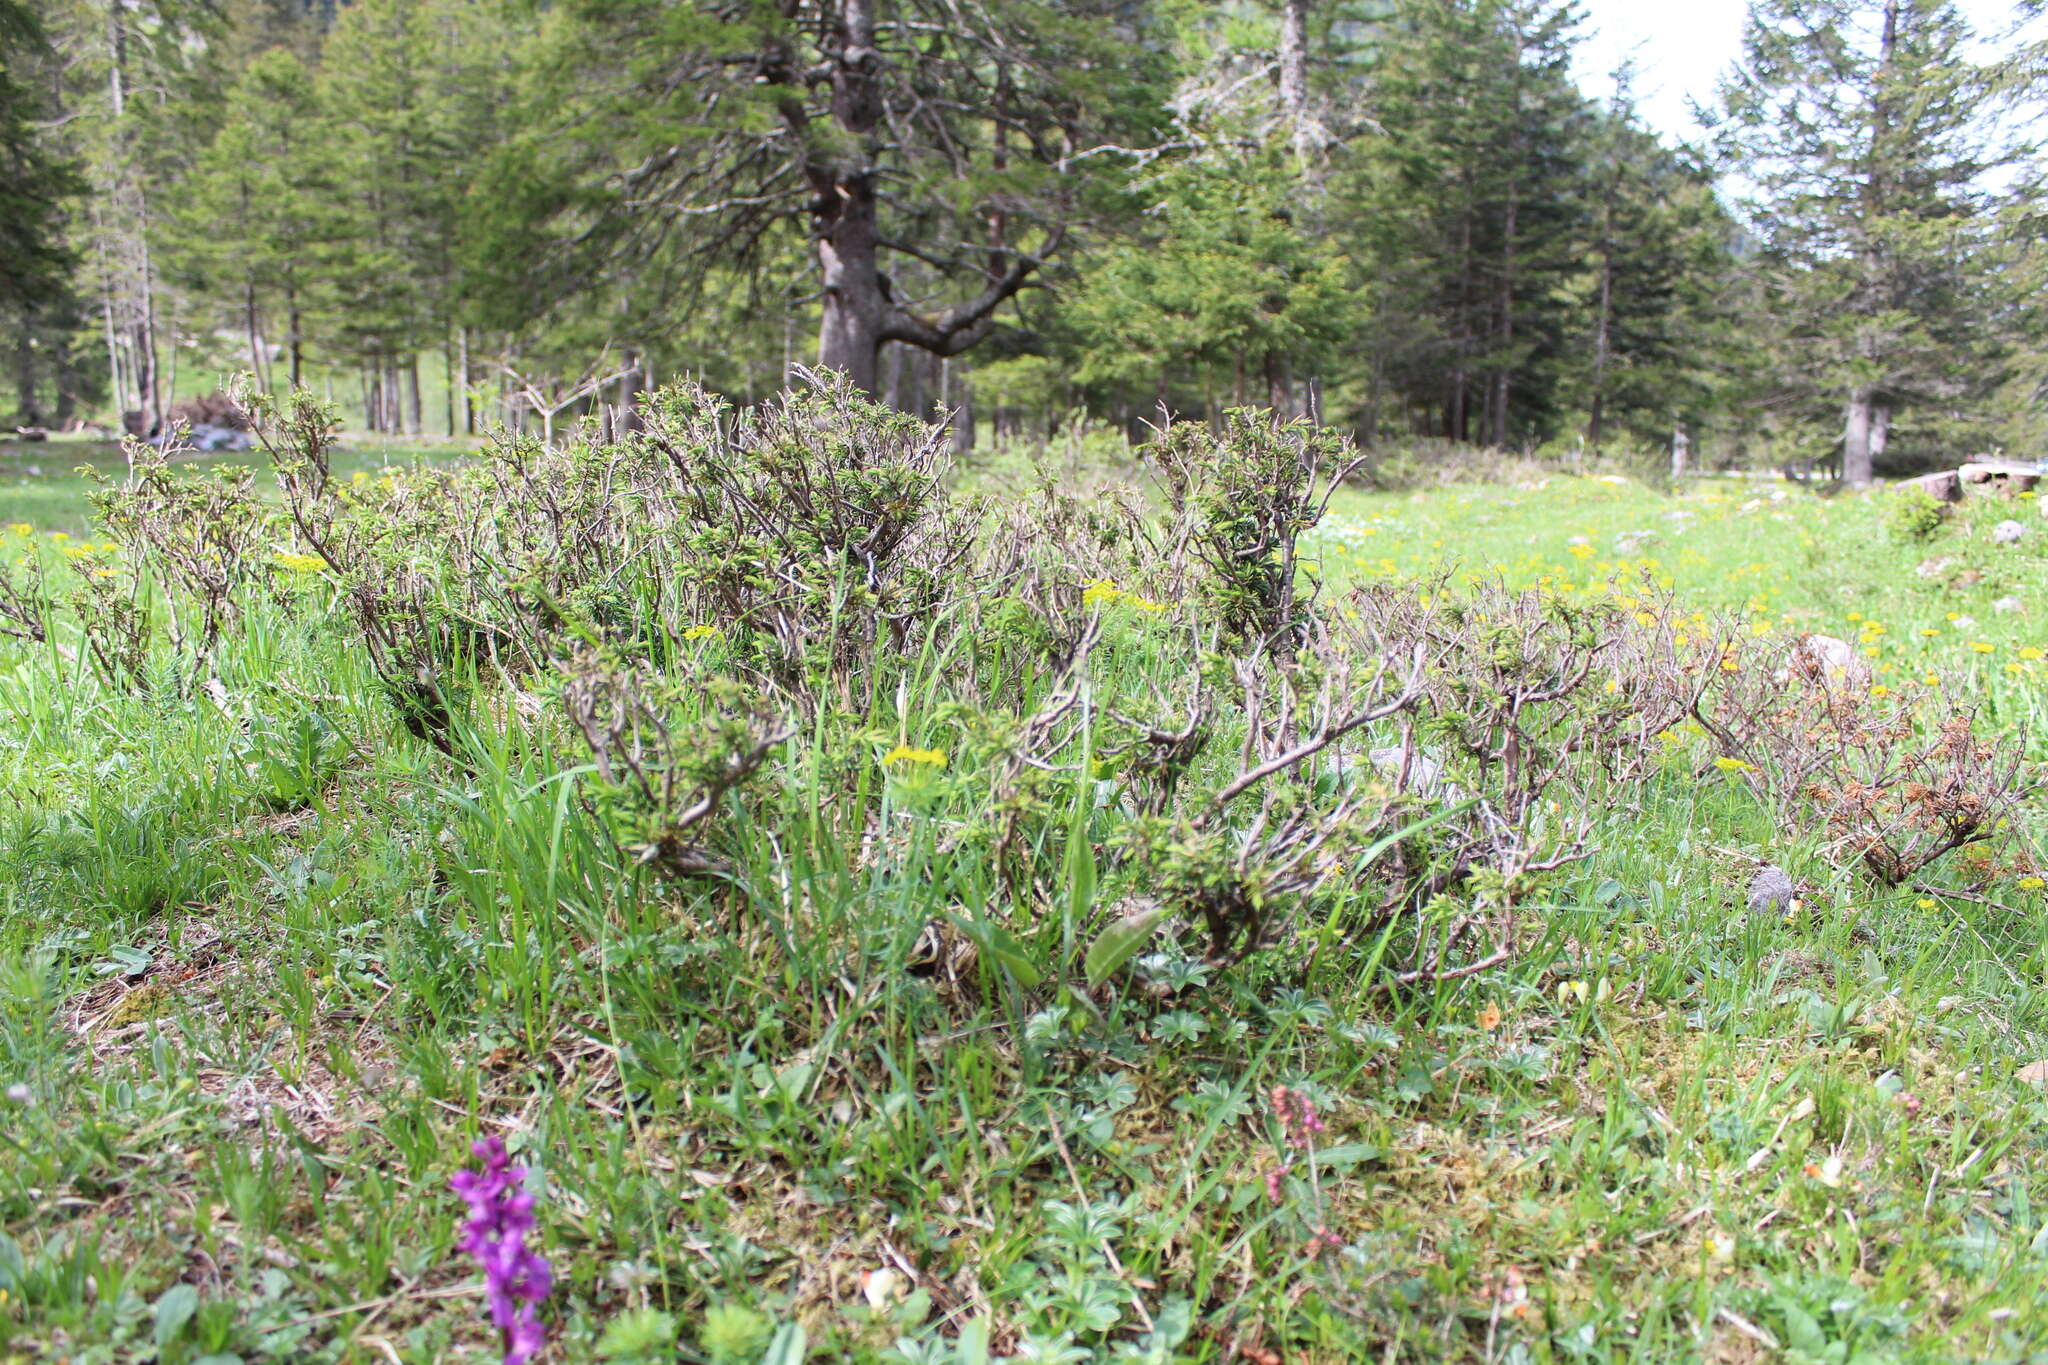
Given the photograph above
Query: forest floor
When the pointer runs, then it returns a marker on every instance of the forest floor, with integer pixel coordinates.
(267, 967)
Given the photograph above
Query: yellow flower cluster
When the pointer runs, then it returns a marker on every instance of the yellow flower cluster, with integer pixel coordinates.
(904, 753)
(1105, 592)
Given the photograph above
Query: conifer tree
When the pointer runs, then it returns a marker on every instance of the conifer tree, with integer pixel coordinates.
(1655, 246)
(1867, 131)
(962, 138)
(1466, 211)
(34, 186)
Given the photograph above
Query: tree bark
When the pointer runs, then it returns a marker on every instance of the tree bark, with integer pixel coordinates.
(1856, 471)
(462, 366)
(415, 423)
(858, 313)
(29, 414)
(296, 337)
(256, 366)
(1294, 79)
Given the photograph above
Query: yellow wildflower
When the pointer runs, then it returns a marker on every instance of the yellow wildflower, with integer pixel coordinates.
(903, 753)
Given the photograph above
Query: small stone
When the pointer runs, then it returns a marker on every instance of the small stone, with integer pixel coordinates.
(1825, 658)
(1770, 890)
(2006, 604)
(1935, 567)
(2007, 532)
(20, 1094)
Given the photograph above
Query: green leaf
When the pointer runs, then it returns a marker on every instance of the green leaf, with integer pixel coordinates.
(1002, 947)
(174, 1308)
(1802, 1331)
(1080, 872)
(1347, 1154)
(972, 1347)
(1119, 942)
(788, 1348)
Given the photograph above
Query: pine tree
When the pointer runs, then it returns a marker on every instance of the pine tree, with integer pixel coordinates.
(1866, 131)
(1655, 244)
(248, 223)
(1222, 287)
(960, 138)
(1466, 211)
(35, 183)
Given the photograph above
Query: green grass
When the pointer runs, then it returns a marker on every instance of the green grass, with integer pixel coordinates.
(41, 483)
(267, 966)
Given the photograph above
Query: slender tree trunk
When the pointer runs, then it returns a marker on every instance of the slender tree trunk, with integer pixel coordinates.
(630, 388)
(255, 348)
(1277, 396)
(1601, 343)
(415, 423)
(1681, 451)
(1294, 80)
(143, 356)
(295, 335)
(1856, 437)
(67, 386)
(168, 394)
(462, 367)
(28, 413)
(1505, 335)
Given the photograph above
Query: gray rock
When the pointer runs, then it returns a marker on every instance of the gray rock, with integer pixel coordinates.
(1425, 773)
(2006, 604)
(1770, 890)
(2010, 476)
(2007, 532)
(1824, 658)
(1944, 486)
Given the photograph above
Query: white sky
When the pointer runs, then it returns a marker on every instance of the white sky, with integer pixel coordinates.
(1681, 47)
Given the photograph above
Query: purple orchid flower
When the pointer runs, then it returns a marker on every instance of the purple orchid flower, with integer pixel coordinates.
(516, 1278)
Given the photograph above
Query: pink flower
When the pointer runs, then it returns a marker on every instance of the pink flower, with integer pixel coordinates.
(516, 1278)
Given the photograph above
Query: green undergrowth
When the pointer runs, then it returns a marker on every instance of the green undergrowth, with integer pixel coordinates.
(859, 1063)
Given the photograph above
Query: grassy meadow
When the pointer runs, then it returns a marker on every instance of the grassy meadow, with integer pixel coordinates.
(834, 938)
